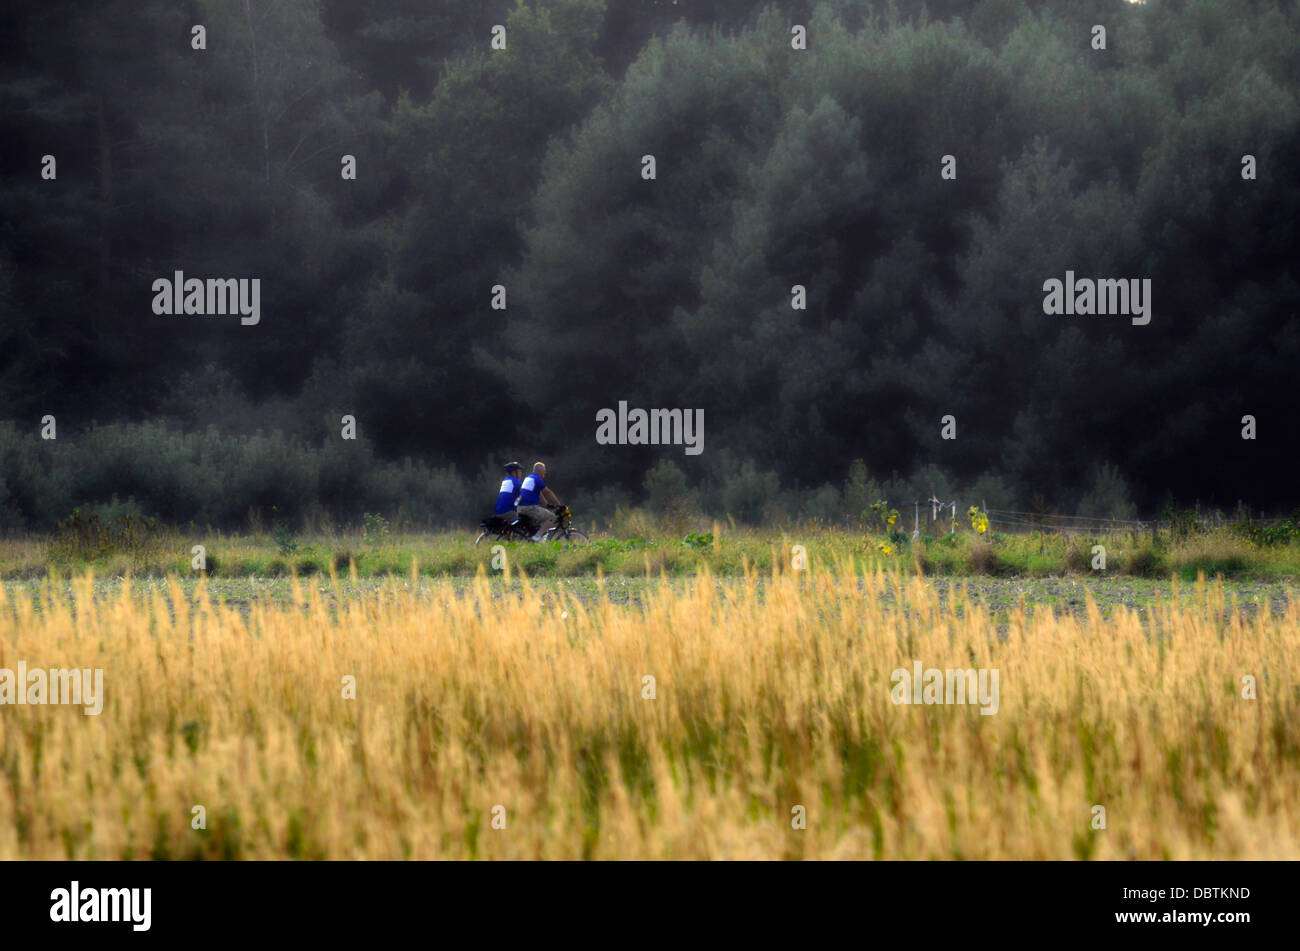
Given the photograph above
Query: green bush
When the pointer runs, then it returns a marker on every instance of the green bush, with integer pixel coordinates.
(284, 539)
(746, 493)
(984, 558)
(1259, 533)
(1146, 561)
(667, 494)
(217, 480)
(89, 536)
(1078, 554)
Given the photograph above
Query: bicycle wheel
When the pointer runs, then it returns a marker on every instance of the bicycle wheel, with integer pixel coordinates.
(570, 536)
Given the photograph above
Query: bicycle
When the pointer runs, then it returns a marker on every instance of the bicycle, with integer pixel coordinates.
(503, 528)
(562, 530)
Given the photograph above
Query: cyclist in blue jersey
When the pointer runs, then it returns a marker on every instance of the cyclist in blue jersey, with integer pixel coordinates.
(532, 493)
(508, 496)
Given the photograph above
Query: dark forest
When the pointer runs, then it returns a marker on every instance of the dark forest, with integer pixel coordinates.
(499, 268)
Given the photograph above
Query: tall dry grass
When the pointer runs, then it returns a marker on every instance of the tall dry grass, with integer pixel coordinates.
(534, 702)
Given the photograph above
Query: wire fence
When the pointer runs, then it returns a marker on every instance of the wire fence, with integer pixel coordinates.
(934, 516)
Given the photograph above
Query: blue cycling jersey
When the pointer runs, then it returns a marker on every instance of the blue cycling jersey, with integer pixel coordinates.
(509, 493)
(530, 493)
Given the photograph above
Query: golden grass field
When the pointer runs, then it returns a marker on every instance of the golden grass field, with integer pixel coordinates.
(767, 697)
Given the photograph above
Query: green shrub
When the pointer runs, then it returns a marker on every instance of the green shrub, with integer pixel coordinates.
(1078, 554)
(1268, 536)
(745, 493)
(216, 480)
(667, 494)
(89, 536)
(376, 528)
(284, 539)
(1145, 561)
(1108, 496)
(983, 558)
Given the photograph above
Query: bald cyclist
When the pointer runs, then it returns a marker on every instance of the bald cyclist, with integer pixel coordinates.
(532, 494)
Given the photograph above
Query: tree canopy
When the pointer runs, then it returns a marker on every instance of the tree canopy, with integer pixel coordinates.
(775, 167)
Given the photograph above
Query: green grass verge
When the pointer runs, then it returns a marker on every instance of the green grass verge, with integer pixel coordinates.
(1223, 553)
